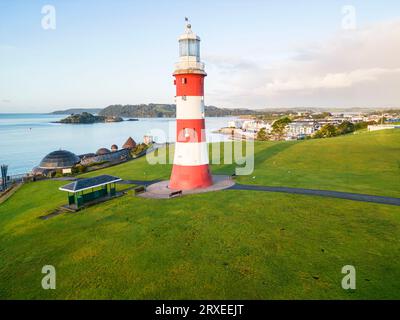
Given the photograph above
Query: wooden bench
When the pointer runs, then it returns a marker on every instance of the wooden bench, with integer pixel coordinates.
(175, 194)
(139, 190)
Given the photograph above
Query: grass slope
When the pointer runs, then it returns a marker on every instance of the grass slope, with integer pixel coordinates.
(363, 163)
(229, 244)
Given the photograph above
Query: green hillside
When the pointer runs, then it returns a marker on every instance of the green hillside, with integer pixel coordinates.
(224, 245)
(159, 110)
(363, 163)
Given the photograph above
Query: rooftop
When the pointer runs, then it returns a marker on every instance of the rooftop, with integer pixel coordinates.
(59, 159)
(129, 144)
(89, 183)
(102, 151)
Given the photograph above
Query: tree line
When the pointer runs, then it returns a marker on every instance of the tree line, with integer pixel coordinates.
(153, 110)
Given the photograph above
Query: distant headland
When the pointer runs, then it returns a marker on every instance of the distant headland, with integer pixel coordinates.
(77, 111)
(159, 110)
(153, 110)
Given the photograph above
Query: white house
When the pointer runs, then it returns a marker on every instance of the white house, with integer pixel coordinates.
(256, 125)
(298, 129)
(382, 127)
(235, 124)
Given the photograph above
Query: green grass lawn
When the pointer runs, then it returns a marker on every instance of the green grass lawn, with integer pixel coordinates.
(223, 245)
(368, 163)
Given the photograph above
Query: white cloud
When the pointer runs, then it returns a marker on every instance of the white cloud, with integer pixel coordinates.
(353, 68)
(328, 81)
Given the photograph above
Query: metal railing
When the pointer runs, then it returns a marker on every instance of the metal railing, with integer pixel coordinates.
(16, 178)
(189, 65)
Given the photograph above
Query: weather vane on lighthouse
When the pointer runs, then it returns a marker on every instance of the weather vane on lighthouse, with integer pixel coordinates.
(188, 25)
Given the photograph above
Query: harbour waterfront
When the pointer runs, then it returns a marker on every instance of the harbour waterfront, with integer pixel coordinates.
(26, 138)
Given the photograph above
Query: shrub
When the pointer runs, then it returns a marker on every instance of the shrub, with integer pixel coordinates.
(327, 131)
(262, 135)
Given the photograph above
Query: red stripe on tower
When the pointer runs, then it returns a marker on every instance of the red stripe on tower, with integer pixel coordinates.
(190, 169)
(189, 84)
(190, 130)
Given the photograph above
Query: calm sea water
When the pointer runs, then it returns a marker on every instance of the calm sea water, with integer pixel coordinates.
(26, 138)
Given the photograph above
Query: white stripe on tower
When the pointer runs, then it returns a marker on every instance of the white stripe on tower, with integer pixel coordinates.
(191, 153)
(190, 107)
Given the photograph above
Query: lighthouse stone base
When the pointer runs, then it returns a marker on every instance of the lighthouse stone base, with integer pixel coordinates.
(160, 190)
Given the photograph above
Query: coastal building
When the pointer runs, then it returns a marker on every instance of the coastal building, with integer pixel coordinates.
(394, 119)
(245, 129)
(129, 144)
(63, 161)
(112, 157)
(190, 169)
(147, 139)
(114, 148)
(300, 129)
(357, 119)
(86, 155)
(382, 127)
(57, 161)
(102, 151)
(237, 124)
(256, 125)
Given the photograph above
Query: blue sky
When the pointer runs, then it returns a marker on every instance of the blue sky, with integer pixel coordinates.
(107, 52)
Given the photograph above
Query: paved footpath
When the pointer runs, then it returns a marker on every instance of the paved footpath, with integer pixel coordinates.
(323, 193)
(139, 182)
(312, 192)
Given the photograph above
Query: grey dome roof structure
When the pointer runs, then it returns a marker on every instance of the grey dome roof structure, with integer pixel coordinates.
(102, 151)
(59, 159)
(114, 147)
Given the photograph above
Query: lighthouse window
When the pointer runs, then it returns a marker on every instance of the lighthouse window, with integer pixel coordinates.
(189, 47)
(183, 48)
(184, 80)
(194, 48)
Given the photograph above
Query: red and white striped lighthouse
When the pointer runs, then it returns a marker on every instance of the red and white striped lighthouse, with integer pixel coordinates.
(190, 169)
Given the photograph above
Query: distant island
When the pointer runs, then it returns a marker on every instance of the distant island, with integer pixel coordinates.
(77, 111)
(167, 111)
(88, 118)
